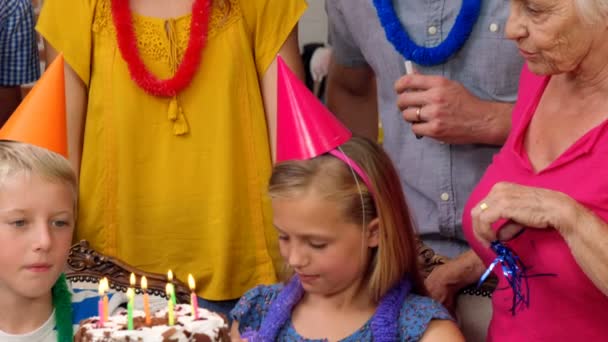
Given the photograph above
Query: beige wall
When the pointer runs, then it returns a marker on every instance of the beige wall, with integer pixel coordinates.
(313, 25)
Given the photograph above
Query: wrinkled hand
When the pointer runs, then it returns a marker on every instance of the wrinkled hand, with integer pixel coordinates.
(443, 283)
(521, 206)
(448, 111)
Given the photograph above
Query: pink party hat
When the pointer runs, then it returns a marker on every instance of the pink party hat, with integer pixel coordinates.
(305, 128)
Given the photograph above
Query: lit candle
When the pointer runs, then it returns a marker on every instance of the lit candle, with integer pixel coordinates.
(100, 304)
(193, 299)
(170, 313)
(131, 296)
(170, 278)
(106, 288)
(144, 288)
(131, 303)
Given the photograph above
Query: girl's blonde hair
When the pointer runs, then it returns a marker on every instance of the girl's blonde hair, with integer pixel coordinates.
(396, 255)
(18, 157)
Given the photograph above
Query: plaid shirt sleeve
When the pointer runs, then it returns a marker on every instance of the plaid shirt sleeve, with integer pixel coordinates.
(19, 61)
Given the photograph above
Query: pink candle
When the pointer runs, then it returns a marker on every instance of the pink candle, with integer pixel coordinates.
(100, 308)
(194, 302)
(193, 299)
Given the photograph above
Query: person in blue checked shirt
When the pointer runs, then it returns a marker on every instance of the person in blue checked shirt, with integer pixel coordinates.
(443, 121)
(19, 63)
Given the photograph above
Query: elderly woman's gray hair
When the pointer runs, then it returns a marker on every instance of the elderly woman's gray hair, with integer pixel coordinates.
(592, 11)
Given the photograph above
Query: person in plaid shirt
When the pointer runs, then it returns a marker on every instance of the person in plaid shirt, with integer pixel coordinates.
(19, 63)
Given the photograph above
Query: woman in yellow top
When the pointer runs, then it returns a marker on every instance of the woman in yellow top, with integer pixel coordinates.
(169, 125)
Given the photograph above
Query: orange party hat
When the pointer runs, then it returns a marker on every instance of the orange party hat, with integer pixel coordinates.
(40, 119)
(305, 128)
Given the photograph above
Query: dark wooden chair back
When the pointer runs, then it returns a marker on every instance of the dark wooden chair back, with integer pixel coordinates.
(89, 266)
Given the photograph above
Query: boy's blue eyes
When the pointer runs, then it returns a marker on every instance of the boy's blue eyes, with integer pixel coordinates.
(56, 223)
(60, 223)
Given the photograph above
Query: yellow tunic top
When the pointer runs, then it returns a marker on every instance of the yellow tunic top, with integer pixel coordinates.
(187, 194)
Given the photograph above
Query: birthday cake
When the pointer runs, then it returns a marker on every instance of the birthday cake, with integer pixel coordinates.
(209, 327)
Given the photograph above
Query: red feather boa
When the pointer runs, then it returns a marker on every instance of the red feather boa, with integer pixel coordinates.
(127, 43)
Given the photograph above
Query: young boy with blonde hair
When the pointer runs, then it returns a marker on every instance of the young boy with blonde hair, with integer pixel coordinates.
(37, 217)
(38, 201)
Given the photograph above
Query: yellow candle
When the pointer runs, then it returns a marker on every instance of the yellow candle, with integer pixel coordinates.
(170, 312)
(170, 279)
(144, 287)
(193, 299)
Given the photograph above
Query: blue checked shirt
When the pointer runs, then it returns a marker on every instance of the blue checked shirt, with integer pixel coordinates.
(19, 63)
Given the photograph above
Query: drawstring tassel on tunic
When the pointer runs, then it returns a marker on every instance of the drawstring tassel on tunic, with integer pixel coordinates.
(177, 117)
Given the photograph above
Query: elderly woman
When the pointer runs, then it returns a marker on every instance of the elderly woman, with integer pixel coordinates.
(546, 193)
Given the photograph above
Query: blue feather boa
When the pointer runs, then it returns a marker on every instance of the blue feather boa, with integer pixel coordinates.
(396, 34)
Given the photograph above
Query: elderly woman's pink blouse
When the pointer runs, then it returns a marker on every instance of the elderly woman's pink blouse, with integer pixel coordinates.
(566, 306)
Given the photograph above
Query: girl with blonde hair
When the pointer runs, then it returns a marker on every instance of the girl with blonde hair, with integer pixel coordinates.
(350, 243)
